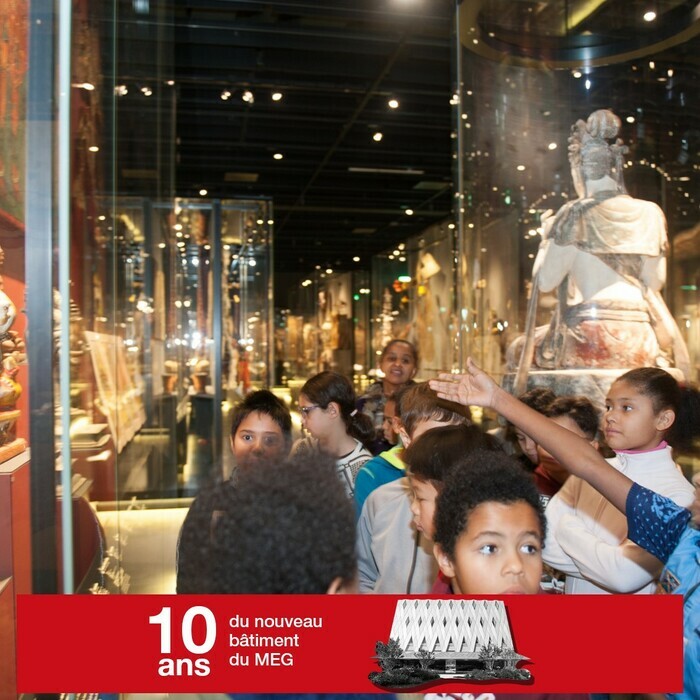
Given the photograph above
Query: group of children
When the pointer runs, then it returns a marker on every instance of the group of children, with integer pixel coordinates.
(447, 510)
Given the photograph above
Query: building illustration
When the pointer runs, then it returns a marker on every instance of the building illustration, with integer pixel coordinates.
(459, 638)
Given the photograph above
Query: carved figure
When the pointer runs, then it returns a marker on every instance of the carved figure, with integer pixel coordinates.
(605, 255)
(12, 354)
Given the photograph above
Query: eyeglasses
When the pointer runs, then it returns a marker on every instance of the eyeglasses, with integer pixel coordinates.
(305, 410)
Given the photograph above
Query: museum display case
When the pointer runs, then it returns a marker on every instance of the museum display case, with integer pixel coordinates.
(412, 297)
(601, 158)
(327, 329)
(578, 214)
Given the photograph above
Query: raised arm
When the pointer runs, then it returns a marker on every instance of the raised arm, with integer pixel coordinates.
(574, 452)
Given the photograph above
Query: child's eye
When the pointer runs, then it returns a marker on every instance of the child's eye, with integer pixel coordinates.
(247, 438)
(627, 408)
(488, 549)
(530, 549)
(608, 407)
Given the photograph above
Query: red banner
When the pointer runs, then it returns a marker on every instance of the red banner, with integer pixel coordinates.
(323, 644)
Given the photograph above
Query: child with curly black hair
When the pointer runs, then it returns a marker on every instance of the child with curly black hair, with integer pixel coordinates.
(490, 527)
(288, 527)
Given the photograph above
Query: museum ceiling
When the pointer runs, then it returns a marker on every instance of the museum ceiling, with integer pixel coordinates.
(292, 100)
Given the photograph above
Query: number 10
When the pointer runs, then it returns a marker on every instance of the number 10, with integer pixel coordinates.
(163, 618)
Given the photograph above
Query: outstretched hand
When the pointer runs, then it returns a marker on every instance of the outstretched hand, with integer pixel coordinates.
(475, 388)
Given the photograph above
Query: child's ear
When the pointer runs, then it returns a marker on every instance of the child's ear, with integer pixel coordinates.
(405, 438)
(444, 562)
(665, 418)
(333, 409)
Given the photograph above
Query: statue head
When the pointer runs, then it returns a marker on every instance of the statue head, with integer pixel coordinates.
(591, 153)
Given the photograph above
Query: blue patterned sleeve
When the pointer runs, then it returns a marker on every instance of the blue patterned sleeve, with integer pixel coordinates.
(655, 522)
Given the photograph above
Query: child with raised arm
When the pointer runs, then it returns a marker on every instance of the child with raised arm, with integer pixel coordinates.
(588, 536)
(664, 529)
(592, 547)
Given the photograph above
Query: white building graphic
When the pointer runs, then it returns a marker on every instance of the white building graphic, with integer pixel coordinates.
(453, 630)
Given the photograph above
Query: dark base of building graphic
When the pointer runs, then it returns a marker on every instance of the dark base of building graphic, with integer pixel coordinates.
(468, 670)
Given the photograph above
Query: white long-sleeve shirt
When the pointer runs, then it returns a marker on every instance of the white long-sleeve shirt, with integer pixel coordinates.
(587, 535)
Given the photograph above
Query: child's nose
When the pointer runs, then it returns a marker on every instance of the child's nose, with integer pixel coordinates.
(514, 563)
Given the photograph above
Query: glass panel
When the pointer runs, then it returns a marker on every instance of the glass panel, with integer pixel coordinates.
(598, 171)
(412, 298)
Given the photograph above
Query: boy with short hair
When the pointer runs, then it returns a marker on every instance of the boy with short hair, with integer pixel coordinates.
(431, 458)
(392, 556)
(414, 404)
(261, 431)
(490, 527)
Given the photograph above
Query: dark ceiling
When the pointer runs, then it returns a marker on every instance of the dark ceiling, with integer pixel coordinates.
(337, 193)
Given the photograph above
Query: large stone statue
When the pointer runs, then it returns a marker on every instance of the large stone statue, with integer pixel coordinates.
(605, 255)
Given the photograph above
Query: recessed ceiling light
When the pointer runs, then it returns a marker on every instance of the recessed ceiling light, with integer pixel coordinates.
(520, 168)
(94, 149)
(649, 16)
(552, 146)
(393, 103)
(577, 74)
(225, 94)
(630, 119)
(378, 136)
(356, 259)
(278, 156)
(276, 96)
(248, 97)
(203, 192)
(409, 212)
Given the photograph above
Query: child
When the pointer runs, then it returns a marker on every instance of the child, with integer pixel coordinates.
(431, 458)
(575, 413)
(588, 535)
(261, 430)
(538, 398)
(398, 364)
(392, 556)
(415, 404)
(388, 465)
(389, 429)
(490, 527)
(664, 529)
(327, 406)
(288, 528)
(600, 558)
